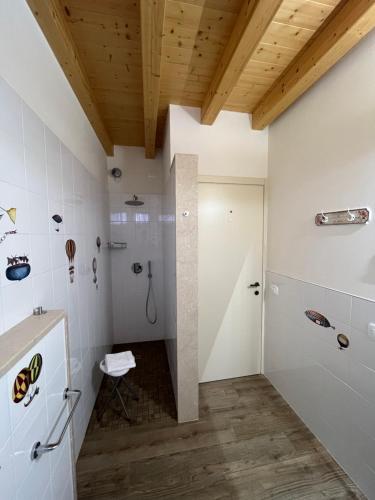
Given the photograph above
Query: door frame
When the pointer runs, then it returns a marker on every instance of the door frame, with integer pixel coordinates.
(253, 181)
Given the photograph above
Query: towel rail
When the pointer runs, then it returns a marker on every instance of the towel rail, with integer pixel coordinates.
(39, 448)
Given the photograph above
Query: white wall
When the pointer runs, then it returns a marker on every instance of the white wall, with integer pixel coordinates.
(229, 147)
(140, 228)
(29, 66)
(322, 157)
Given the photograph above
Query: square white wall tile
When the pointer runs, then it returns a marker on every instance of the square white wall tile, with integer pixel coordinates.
(43, 291)
(363, 313)
(10, 111)
(36, 172)
(33, 132)
(40, 257)
(17, 301)
(7, 475)
(12, 160)
(5, 428)
(54, 167)
(38, 210)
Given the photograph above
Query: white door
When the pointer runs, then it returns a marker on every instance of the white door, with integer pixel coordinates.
(230, 225)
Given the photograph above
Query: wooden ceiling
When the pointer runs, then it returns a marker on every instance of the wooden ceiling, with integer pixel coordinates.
(127, 60)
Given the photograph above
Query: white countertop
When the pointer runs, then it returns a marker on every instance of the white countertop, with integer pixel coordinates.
(21, 338)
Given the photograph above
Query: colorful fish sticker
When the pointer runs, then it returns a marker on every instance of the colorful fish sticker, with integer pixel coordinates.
(70, 248)
(318, 319)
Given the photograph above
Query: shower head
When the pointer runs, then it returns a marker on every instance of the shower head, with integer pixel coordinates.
(134, 202)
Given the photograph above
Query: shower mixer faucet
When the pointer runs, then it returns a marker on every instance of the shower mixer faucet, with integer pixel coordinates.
(137, 268)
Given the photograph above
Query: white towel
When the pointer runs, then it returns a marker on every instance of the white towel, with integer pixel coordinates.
(119, 361)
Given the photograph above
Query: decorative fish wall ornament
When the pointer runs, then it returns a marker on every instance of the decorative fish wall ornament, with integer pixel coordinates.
(70, 248)
(18, 268)
(318, 319)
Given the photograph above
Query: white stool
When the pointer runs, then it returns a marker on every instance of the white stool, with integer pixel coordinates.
(117, 377)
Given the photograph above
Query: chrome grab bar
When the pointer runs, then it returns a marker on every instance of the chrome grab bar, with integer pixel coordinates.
(39, 448)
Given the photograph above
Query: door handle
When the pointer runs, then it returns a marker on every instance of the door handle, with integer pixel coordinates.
(254, 285)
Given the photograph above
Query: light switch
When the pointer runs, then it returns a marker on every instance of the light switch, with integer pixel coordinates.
(275, 290)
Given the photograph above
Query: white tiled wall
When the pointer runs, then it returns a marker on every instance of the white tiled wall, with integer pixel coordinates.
(40, 177)
(21, 427)
(140, 228)
(332, 390)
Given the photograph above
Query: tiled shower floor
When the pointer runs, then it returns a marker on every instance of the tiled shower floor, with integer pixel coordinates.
(152, 381)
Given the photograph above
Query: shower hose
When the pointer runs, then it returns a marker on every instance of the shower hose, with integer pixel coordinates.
(151, 298)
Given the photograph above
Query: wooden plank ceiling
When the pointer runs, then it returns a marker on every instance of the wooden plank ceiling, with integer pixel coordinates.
(195, 53)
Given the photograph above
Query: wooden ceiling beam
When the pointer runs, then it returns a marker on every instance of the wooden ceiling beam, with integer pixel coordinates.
(252, 22)
(51, 20)
(152, 32)
(348, 23)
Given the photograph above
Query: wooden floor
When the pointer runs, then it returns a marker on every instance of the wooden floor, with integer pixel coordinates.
(248, 444)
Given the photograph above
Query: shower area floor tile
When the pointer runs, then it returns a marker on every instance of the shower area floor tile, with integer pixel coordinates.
(152, 382)
(248, 444)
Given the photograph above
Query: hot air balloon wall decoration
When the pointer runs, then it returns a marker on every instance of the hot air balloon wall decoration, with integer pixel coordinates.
(70, 248)
(57, 220)
(23, 384)
(94, 270)
(11, 213)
